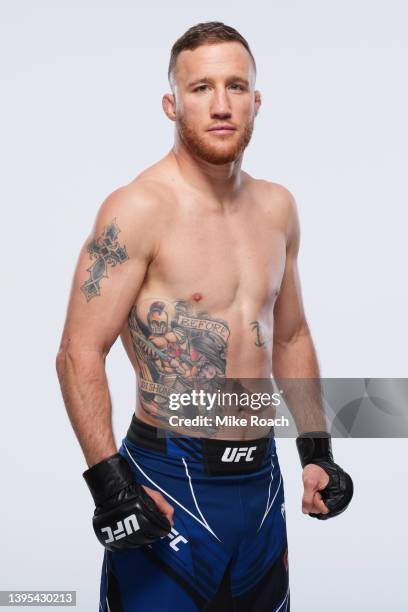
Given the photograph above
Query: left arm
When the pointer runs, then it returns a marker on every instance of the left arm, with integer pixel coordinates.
(295, 365)
(294, 360)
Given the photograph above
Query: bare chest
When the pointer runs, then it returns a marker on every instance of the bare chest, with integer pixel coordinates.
(225, 260)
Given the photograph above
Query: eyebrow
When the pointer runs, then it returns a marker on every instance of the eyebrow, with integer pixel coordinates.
(206, 79)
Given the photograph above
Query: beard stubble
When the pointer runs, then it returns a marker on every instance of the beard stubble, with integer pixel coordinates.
(218, 155)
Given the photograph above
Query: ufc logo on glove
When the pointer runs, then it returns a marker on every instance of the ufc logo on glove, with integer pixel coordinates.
(123, 528)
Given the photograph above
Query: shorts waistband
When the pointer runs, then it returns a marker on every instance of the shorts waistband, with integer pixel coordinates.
(218, 456)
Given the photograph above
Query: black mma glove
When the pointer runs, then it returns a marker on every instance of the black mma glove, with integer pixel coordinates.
(125, 515)
(315, 447)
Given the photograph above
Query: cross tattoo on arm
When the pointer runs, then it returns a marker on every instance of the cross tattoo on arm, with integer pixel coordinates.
(105, 250)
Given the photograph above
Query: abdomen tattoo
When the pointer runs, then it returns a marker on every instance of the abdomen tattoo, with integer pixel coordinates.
(177, 350)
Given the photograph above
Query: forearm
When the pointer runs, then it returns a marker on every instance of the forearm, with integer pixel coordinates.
(296, 371)
(85, 390)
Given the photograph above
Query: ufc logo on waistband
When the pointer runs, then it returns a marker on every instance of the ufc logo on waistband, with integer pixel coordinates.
(123, 528)
(235, 454)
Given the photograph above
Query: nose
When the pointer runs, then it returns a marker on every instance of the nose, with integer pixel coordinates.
(220, 106)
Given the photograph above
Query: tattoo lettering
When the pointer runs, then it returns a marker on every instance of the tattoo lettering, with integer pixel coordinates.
(260, 338)
(177, 351)
(105, 250)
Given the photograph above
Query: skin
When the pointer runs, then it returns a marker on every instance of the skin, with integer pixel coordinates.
(194, 229)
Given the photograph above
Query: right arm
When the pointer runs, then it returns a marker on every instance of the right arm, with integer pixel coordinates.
(98, 309)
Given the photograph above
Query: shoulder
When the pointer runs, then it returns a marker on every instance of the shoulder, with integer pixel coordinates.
(280, 201)
(277, 195)
(273, 194)
(133, 211)
(137, 198)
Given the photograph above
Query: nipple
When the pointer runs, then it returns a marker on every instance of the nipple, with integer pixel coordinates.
(197, 297)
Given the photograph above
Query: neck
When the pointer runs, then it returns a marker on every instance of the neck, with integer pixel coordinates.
(221, 182)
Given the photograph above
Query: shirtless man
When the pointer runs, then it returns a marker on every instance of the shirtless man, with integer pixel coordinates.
(193, 264)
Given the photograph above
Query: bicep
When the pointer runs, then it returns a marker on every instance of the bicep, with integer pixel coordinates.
(289, 316)
(109, 273)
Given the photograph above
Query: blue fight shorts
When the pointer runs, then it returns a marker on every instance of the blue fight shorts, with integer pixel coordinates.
(227, 550)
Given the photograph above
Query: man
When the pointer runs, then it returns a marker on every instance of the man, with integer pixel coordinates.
(193, 264)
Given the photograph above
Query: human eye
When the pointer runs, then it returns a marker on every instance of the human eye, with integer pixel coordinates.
(237, 86)
(200, 87)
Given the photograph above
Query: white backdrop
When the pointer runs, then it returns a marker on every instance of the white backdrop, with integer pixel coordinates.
(81, 114)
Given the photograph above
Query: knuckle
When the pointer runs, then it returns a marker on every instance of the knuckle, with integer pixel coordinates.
(309, 481)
